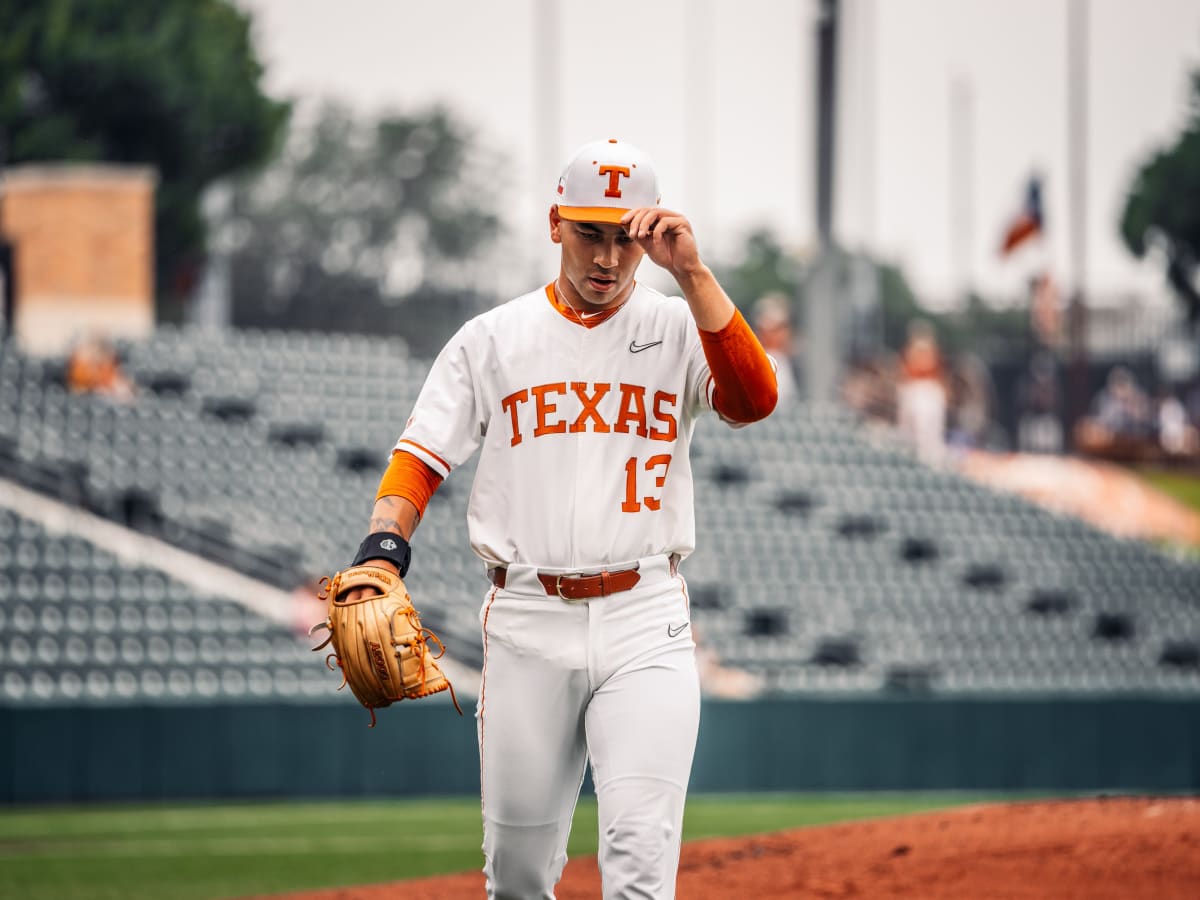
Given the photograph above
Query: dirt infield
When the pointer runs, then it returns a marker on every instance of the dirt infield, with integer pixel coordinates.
(1121, 847)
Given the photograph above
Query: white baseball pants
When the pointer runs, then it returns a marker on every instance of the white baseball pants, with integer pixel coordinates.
(611, 679)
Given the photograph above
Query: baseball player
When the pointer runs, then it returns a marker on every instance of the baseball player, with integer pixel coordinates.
(581, 398)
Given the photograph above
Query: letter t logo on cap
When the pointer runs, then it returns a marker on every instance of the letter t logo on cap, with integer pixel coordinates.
(614, 174)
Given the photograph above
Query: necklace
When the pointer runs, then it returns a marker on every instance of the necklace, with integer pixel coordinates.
(582, 317)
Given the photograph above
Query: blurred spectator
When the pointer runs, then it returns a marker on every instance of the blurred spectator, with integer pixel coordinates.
(972, 400)
(1046, 310)
(1121, 425)
(93, 367)
(772, 322)
(1176, 435)
(1122, 406)
(869, 387)
(1039, 407)
(921, 395)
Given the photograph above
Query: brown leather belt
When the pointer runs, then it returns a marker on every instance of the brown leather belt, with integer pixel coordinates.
(579, 587)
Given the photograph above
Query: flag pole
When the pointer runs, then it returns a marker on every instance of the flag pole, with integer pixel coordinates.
(822, 350)
(962, 186)
(1077, 161)
(547, 110)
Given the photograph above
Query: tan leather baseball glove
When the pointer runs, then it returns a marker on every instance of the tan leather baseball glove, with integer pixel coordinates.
(378, 641)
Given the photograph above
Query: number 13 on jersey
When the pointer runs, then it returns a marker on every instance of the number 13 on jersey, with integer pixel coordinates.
(657, 466)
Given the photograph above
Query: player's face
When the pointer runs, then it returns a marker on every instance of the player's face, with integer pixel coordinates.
(598, 261)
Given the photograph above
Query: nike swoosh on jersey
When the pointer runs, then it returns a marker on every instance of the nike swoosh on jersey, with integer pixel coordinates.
(676, 632)
(635, 347)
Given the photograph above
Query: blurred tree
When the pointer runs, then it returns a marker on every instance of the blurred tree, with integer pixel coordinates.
(1163, 209)
(365, 226)
(978, 327)
(763, 267)
(984, 329)
(900, 305)
(170, 83)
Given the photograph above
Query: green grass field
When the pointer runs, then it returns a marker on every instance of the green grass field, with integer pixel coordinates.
(203, 852)
(1183, 486)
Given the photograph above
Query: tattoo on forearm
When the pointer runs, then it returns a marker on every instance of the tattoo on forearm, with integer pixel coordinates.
(388, 515)
(383, 517)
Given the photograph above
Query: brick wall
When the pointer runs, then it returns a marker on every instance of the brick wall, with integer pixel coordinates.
(83, 251)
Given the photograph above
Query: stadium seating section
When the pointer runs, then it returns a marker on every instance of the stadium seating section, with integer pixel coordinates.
(829, 560)
(77, 626)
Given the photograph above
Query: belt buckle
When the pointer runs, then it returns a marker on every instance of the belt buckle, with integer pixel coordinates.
(558, 588)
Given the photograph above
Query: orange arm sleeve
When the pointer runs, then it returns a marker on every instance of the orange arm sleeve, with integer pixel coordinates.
(408, 477)
(745, 385)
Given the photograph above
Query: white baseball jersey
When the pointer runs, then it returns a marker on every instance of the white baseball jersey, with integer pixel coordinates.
(583, 432)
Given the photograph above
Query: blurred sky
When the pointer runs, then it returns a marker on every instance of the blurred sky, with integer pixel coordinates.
(721, 93)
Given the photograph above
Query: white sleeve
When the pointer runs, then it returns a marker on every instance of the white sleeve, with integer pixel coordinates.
(699, 376)
(446, 425)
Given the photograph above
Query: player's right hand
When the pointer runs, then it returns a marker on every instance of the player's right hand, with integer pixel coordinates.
(666, 236)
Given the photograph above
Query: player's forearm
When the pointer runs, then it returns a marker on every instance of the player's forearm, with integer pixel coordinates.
(395, 514)
(745, 386)
(711, 307)
(404, 491)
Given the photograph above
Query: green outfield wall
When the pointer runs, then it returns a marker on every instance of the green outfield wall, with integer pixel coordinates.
(68, 755)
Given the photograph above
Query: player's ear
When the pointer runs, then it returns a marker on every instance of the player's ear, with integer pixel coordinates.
(555, 225)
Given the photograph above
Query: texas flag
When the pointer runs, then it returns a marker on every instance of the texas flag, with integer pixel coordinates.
(1028, 222)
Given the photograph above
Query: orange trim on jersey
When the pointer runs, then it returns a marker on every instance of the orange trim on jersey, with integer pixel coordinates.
(608, 214)
(427, 450)
(921, 361)
(569, 313)
(746, 388)
(487, 611)
(409, 477)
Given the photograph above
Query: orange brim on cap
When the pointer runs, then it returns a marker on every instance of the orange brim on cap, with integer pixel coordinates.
(609, 214)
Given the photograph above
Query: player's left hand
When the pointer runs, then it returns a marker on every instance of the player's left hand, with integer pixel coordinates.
(666, 236)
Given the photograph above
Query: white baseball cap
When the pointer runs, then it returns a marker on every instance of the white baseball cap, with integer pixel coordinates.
(604, 180)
